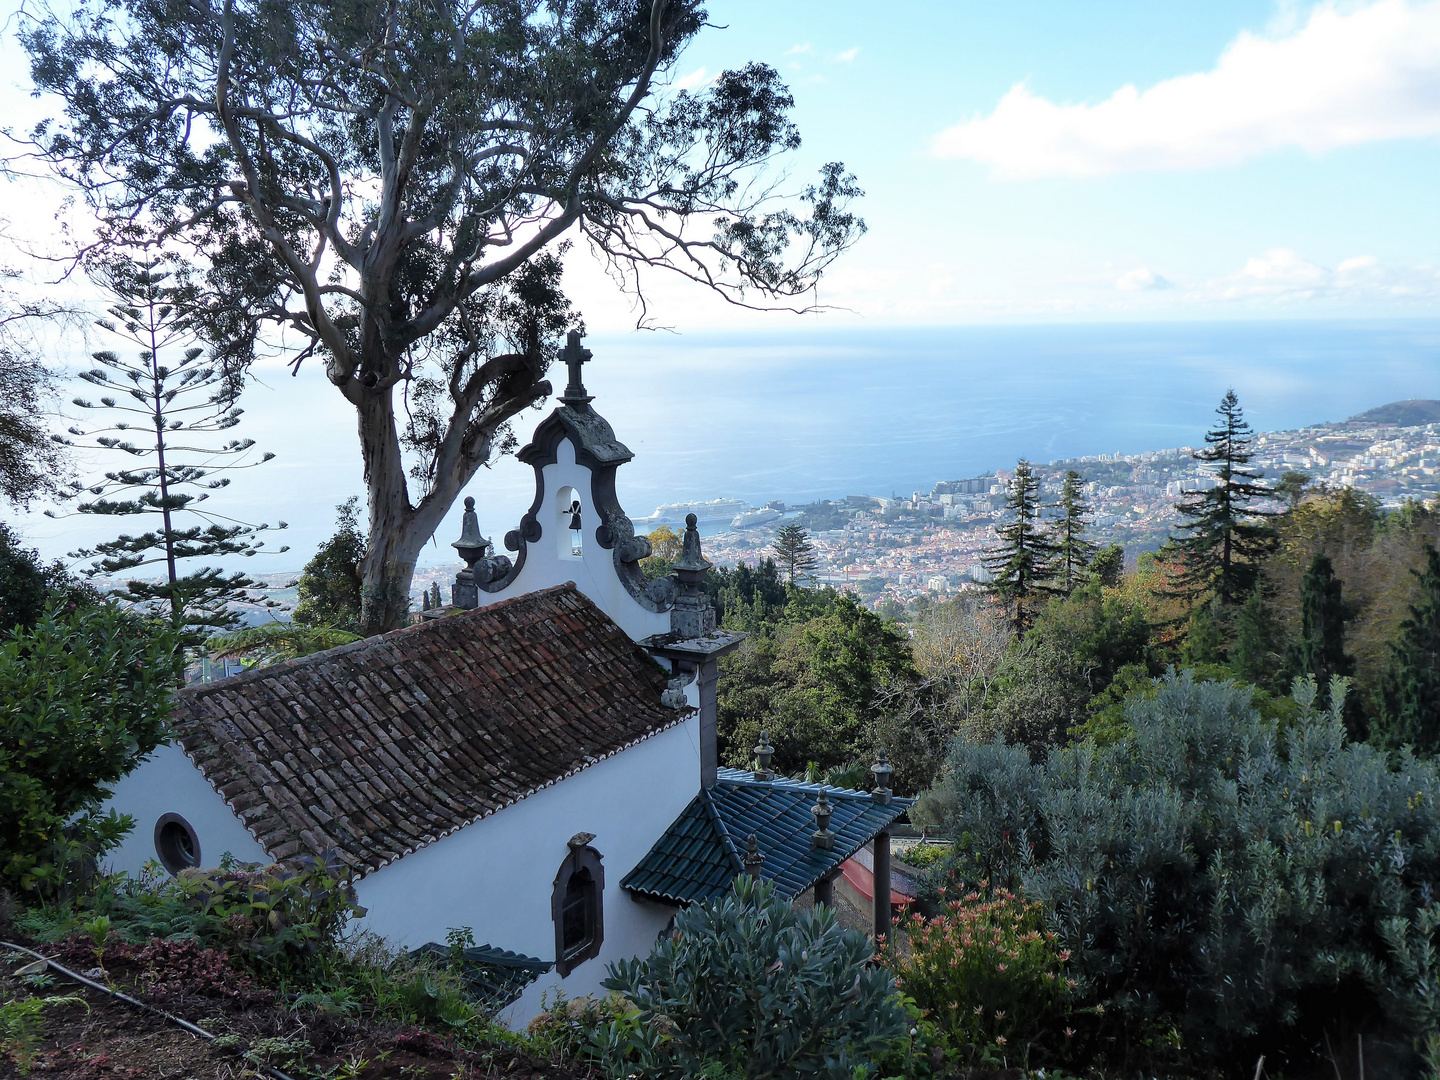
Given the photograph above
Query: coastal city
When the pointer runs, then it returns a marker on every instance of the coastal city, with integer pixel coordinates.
(890, 548)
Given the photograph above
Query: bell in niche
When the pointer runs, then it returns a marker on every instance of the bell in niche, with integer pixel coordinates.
(575, 527)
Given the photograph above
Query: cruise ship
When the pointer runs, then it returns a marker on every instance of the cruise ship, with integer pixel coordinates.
(714, 510)
(763, 516)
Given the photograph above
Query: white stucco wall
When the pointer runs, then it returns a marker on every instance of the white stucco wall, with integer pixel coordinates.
(167, 782)
(497, 875)
(548, 561)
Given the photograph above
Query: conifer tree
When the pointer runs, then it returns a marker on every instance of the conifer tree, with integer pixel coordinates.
(1021, 565)
(794, 552)
(1254, 652)
(1320, 648)
(1226, 537)
(1409, 693)
(1073, 553)
(170, 403)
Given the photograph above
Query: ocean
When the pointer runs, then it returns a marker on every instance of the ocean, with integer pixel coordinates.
(807, 412)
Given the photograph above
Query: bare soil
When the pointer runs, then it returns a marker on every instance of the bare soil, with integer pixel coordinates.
(102, 1038)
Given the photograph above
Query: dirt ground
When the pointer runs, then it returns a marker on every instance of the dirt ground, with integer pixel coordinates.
(92, 1036)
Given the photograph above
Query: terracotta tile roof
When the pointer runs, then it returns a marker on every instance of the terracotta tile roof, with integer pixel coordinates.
(701, 852)
(382, 746)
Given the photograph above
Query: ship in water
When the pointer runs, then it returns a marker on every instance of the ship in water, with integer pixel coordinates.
(713, 510)
(750, 518)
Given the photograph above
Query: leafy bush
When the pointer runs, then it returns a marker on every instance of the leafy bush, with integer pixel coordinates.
(282, 920)
(989, 974)
(281, 916)
(83, 699)
(1212, 868)
(924, 856)
(756, 987)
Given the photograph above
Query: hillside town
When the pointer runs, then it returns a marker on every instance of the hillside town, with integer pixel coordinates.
(898, 549)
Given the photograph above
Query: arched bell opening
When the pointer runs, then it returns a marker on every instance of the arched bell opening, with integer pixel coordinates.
(570, 519)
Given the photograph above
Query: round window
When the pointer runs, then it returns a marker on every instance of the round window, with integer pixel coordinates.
(176, 843)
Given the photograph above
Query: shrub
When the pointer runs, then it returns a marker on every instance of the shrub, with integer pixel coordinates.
(989, 974)
(282, 916)
(1212, 868)
(281, 920)
(924, 856)
(83, 699)
(751, 985)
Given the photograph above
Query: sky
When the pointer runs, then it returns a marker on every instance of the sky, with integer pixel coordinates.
(1222, 159)
(1033, 161)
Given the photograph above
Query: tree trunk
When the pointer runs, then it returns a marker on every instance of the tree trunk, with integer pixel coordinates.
(397, 530)
(390, 544)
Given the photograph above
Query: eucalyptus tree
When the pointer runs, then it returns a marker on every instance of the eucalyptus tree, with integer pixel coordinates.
(33, 463)
(388, 182)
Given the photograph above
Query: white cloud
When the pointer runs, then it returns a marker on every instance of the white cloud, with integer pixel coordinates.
(1142, 280)
(698, 77)
(1350, 74)
(797, 50)
(1359, 262)
(848, 55)
(1282, 276)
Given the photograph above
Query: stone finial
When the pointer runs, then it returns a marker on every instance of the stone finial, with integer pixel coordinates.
(691, 558)
(883, 772)
(763, 753)
(574, 355)
(693, 615)
(822, 839)
(471, 547)
(753, 859)
(470, 538)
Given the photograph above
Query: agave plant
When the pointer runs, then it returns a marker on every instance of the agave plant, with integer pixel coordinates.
(270, 643)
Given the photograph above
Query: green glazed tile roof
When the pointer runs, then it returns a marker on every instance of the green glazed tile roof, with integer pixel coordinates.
(493, 976)
(701, 852)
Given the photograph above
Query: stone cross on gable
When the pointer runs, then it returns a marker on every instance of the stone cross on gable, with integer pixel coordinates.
(574, 354)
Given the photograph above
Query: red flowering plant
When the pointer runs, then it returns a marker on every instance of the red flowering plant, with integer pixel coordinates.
(988, 974)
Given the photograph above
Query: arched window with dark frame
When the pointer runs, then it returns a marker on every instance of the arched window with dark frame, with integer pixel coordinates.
(577, 905)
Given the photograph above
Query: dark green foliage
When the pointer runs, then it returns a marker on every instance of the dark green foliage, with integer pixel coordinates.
(1046, 680)
(1073, 553)
(1319, 649)
(329, 586)
(1255, 653)
(1292, 487)
(1108, 565)
(820, 516)
(811, 679)
(31, 462)
(1408, 706)
(1205, 635)
(26, 586)
(168, 410)
(83, 698)
(747, 598)
(1212, 869)
(1021, 564)
(794, 553)
(1225, 538)
(757, 987)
